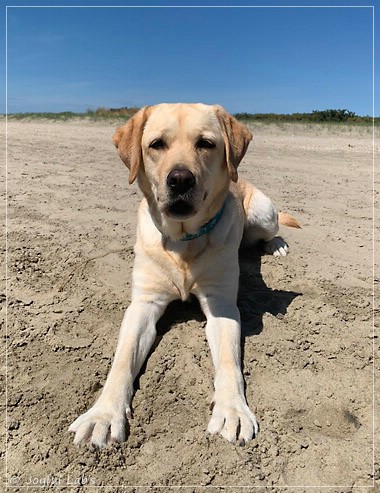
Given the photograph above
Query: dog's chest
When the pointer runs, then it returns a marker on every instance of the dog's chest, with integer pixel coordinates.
(183, 260)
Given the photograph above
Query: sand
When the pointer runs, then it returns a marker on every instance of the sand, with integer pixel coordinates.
(307, 320)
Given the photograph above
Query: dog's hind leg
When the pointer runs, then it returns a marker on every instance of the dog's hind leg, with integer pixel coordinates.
(262, 222)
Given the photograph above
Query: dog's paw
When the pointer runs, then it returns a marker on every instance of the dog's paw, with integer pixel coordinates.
(233, 420)
(101, 425)
(277, 246)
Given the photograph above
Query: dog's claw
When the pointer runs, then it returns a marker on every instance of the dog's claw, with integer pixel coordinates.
(277, 246)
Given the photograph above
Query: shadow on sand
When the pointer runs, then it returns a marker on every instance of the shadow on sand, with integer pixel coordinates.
(255, 298)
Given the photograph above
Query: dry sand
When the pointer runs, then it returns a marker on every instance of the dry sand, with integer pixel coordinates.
(307, 320)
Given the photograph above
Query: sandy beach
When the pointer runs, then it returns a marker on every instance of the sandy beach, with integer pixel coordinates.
(307, 319)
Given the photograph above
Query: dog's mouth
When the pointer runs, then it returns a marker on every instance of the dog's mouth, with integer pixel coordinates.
(180, 209)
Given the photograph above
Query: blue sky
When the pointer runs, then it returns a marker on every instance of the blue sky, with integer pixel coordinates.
(280, 60)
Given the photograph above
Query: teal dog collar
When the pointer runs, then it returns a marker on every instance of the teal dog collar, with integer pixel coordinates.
(205, 228)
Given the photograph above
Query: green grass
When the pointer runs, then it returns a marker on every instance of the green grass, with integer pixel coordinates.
(320, 117)
(65, 115)
(99, 114)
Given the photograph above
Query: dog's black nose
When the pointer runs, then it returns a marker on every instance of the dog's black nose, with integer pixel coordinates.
(180, 180)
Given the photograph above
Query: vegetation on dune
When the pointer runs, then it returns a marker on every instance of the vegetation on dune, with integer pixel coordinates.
(124, 112)
(340, 116)
(98, 114)
(65, 115)
(317, 116)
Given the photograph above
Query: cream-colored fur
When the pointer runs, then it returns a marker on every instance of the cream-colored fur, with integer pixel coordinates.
(209, 143)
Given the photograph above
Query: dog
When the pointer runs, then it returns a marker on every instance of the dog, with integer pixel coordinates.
(191, 221)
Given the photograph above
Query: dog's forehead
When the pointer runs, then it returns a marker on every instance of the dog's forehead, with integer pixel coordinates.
(186, 119)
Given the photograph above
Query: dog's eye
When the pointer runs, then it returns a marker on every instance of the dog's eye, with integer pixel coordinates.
(205, 144)
(157, 144)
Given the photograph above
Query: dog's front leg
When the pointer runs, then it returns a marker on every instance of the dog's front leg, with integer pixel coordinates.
(105, 422)
(231, 416)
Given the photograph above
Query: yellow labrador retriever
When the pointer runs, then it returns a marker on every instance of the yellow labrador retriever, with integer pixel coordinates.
(190, 225)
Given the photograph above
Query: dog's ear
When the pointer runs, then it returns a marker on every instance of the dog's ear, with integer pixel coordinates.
(127, 140)
(236, 139)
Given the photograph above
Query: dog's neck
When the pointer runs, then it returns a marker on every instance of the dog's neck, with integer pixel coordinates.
(206, 228)
(199, 225)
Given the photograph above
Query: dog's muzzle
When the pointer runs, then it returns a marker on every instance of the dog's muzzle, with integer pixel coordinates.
(181, 184)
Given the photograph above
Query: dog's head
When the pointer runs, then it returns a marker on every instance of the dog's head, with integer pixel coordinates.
(183, 155)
